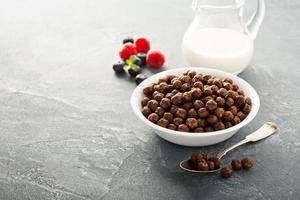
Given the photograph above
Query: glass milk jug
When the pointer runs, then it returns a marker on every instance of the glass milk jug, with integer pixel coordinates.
(218, 37)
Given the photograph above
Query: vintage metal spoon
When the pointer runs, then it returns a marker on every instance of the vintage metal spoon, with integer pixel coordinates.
(266, 130)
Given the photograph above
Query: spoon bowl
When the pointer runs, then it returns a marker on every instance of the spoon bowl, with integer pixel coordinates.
(269, 128)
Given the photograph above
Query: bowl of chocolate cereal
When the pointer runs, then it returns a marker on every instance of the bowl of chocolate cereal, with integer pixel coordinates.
(195, 106)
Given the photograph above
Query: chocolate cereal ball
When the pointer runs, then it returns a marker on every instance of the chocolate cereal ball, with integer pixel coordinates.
(163, 122)
(226, 172)
(233, 109)
(181, 113)
(177, 83)
(241, 115)
(196, 156)
(187, 97)
(219, 126)
(177, 98)
(202, 166)
(202, 123)
(198, 104)
(219, 112)
(199, 85)
(160, 111)
(145, 101)
(168, 116)
(202, 112)
(148, 90)
(199, 130)
(192, 123)
(228, 116)
(211, 105)
(183, 128)
(187, 105)
(220, 101)
(152, 104)
(211, 165)
(236, 164)
(146, 111)
(247, 163)
(165, 103)
(185, 87)
(153, 117)
(177, 121)
(236, 120)
(172, 127)
(192, 113)
(223, 92)
(229, 101)
(212, 119)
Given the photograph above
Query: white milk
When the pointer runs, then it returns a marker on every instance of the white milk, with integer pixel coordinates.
(224, 49)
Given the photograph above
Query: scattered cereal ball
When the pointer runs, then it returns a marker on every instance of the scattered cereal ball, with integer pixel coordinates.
(202, 112)
(236, 164)
(152, 104)
(153, 117)
(199, 130)
(198, 104)
(146, 111)
(181, 113)
(172, 127)
(228, 116)
(145, 101)
(165, 103)
(168, 116)
(159, 111)
(226, 172)
(219, 126)
(247, 163)
(192, 123)
(177, 121)
(211, 105)
(212, 119)
(183, 128)
(202, 166)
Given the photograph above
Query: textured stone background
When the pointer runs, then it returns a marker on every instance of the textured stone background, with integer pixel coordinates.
(66, 126)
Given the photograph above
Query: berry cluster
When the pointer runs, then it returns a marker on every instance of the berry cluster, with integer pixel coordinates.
(135, 55)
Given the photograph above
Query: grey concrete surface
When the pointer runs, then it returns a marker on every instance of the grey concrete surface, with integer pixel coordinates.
(66, 126)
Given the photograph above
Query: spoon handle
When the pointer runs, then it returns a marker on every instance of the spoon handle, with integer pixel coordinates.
(266, 130)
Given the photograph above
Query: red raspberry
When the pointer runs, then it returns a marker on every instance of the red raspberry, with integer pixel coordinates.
(127, 51)
(155, 59)
(142, 45)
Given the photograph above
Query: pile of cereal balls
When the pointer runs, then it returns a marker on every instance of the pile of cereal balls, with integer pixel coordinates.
(205, 162)
(194, 102)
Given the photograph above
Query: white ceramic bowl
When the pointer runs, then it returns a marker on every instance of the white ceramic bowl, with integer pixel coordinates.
(194, 139)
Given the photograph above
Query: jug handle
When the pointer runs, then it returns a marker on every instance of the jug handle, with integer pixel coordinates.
(256, 19)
